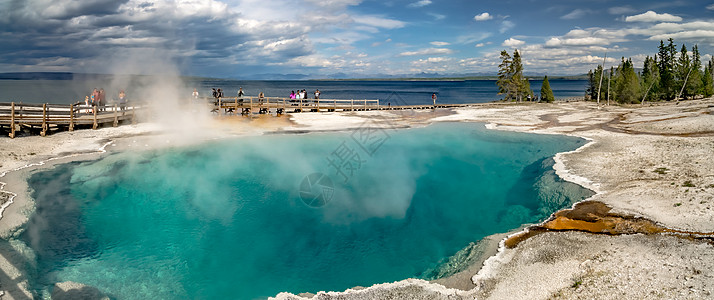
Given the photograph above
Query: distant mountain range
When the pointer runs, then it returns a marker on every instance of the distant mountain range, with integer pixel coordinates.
(337, 76)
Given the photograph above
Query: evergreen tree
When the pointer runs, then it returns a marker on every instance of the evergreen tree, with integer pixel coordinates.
(610, 84)
(694, 83)
(517, 81)
(505, 73)
(684, 69)
(628, 85)
(593, 80)
(591, 90)
(666, 56)
(615, 80)
(510, 77)
(546, 93)
(708, 80)
(650, 79)
(526, 90)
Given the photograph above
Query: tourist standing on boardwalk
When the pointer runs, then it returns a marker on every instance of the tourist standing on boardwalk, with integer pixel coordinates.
(317, 94)
(102, 100)
(292, 95)
(95, 99)
(87, 104)
(122, 99)
(240, 94)
(195, 94)
(433, 98)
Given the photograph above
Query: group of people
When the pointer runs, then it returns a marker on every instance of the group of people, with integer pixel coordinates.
(218, 93)
(302, 94)
(97, 100)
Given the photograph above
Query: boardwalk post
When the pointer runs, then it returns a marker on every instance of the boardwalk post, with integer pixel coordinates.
(377, 104)
(251, 105)
(95, 125)
(352, 105)
(116, 116)
(365, 104)
(12, 120)
(300, 104)
(334, 105)
(318, 105)
(133, 115)
(44, 120)
(235, 110)
(71, 117)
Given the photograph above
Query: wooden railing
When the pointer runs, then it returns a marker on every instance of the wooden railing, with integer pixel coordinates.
(281, 105)
(44, 116)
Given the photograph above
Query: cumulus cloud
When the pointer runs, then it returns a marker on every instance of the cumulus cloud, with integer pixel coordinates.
(512, 42)
(428, 51)
(483, 17)
(205, 37)
(651, 16)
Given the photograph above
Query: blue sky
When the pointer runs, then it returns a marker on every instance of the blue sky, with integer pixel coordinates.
(246, 38)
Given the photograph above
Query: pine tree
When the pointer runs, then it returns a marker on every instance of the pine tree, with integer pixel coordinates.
(708, 79)
(517, 81)
(628, 85)
(666, 56)
(505, 73)
(684, 69)
(510, 77)
(694, 84)
(546, 93)
(593, 78)
(650, 79)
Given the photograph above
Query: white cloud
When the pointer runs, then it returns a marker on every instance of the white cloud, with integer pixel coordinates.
(428, 51)
(378, 21)
(710, 7)
(511, 42)
(584, 41)
(576, 14)
(479, 45)
(506, 25)
(483, 17)
(435, 59)
(440, 44)
(420, 3)
(651, 16)
(686, 35)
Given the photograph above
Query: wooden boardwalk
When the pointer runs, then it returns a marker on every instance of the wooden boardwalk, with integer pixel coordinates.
(249, 105)
(44, 118)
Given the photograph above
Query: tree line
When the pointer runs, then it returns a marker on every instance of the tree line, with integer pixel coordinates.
(513, 85)
(668, 75)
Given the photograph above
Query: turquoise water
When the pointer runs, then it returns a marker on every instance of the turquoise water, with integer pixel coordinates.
(225, 220)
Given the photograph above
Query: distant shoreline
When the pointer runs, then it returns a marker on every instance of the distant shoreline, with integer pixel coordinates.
(73, 76)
